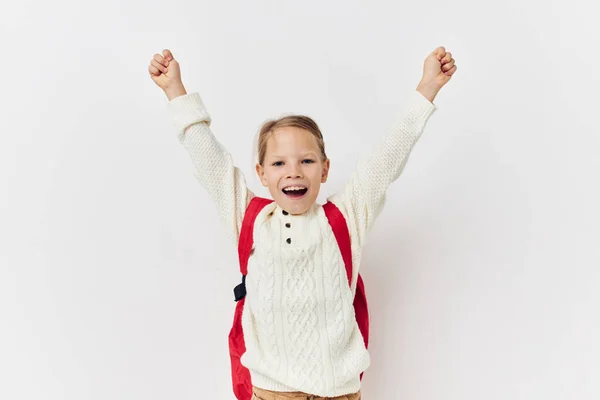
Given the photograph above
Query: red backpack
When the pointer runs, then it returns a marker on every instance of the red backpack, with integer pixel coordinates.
(242, 386)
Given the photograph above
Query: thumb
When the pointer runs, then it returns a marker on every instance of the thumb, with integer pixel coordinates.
(440, 52)
(167, 55)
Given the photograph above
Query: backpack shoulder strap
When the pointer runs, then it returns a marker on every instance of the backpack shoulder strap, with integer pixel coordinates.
(342, 235)
(246, 240)
(247, 230)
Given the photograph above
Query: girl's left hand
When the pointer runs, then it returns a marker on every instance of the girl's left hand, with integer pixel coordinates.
(438, 68)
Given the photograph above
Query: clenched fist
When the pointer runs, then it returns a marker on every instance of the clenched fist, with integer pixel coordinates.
(438, 69)
(164, 71)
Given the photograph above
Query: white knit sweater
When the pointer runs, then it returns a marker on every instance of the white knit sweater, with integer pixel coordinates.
(298, 321)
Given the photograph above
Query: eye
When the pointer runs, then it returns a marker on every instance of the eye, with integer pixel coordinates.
(309, 160)
(277, 163)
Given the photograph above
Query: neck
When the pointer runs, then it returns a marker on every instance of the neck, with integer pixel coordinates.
(310, 210)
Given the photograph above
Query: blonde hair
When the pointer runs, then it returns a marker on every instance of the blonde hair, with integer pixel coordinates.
(298, 121)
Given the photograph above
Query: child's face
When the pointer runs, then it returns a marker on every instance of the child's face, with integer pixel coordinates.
(293, 158)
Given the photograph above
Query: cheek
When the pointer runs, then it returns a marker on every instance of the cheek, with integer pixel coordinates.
(314, 172)
(318, 168)
(273, 177)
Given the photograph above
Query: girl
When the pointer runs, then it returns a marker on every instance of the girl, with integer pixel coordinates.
(301, 336)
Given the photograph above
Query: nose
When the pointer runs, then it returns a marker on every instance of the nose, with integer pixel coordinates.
(295, 172)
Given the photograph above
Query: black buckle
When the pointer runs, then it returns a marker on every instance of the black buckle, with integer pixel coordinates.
(240, 290)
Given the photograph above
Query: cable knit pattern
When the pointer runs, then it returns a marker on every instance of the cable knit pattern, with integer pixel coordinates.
(300, 307)
(262, 282)
(337, 308)
(299, 324)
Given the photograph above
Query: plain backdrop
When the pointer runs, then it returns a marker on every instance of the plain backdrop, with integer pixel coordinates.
(482, 272)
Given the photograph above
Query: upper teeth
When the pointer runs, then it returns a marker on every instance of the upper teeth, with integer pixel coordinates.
(294, 188)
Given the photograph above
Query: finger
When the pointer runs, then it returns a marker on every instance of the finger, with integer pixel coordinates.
(451, 71)
(168, 55)
(448, 65)
(160, 59)
(159, 66)
(153, 70)
(447, 58)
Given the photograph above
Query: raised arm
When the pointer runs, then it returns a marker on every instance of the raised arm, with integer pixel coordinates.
(213, 165)
(363, 197)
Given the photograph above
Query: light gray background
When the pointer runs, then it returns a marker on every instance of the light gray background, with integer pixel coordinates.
(482, 272)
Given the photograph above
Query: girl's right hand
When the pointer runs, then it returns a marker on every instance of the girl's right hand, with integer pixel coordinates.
(164, 70)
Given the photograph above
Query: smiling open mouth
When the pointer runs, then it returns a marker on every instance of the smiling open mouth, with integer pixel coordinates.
(295, 192)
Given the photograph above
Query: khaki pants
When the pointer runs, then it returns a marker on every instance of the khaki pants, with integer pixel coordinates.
(262, 394)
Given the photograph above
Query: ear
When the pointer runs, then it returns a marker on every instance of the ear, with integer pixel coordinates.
(325, 171)
(261, 174)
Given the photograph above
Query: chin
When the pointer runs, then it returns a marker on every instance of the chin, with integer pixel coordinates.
(296, 206)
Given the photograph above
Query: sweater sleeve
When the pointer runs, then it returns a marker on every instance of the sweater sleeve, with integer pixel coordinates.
(213, 164)
(363, 197)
